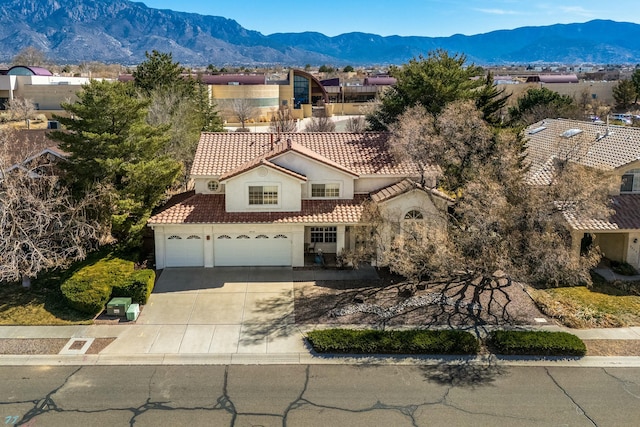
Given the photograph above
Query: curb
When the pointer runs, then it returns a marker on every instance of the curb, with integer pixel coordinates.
(314, 359)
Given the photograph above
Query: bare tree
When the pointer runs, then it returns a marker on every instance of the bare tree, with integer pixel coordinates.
(243, 109)
(320, 124)
(20, 109)
(30, 56)
(42, 226)
(282, 121)
(356, 124)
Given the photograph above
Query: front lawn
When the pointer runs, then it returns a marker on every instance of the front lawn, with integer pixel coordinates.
(43, 303)
(602, 306)
(36, 306)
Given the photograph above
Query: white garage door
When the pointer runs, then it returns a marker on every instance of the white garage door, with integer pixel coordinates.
(245, 250)
(184, 251)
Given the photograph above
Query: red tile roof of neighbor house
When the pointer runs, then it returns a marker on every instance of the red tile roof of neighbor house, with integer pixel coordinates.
(596, 145)
(210, 209)
(626, 216)
(354, 153)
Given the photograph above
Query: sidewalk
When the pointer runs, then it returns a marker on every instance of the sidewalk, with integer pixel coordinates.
(138, 345)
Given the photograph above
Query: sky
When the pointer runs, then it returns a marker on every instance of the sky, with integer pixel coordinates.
(432, 18)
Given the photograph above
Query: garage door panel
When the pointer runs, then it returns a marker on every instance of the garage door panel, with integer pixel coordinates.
(184, 251)
(261, 250)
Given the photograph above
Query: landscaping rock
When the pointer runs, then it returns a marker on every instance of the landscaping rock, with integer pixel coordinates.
(359, 299)
(421, 286)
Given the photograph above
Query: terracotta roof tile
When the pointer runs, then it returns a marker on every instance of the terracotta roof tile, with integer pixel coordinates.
(210, 209)
(356, 153)
(604, 147)
(402, 187)
(626, 216)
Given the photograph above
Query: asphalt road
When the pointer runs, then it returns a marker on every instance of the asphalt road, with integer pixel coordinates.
(319, 395)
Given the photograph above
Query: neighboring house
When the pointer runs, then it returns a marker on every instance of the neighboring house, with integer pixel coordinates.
(611, 148)
(31, 151)
(264, 201)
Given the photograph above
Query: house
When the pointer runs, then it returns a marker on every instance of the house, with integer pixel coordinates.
(612, 148)
(267, 200)
(30, 151)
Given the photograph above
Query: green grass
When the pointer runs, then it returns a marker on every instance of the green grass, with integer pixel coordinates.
(43, 303)
(600, 306)
(37, 306)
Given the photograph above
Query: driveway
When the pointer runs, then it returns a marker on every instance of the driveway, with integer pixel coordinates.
(221, 310)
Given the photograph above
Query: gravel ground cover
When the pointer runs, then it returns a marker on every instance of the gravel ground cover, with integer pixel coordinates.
(46, 345)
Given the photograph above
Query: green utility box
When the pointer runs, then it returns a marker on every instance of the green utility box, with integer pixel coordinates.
(133, 311)
(118, 306)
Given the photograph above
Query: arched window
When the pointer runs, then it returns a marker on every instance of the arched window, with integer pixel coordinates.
(224, 236)
(414, 215)
(174, 237)
(193, 237)
(243, 236)
(280, 236)
(262, 236)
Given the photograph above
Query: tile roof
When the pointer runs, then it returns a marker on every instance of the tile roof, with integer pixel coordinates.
(210, 209)
(597, 145)
(261, 162)
(355, 153)
(626, 216)
(402, 187)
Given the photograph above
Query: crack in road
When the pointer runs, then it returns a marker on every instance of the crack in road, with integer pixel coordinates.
(625, 383)
(47, 402)
(566, 393)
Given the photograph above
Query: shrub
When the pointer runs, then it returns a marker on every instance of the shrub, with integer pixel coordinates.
(138, 286)
(623, 268)
(537, 343)
(90, 288)
(85, 295)
(393, 342)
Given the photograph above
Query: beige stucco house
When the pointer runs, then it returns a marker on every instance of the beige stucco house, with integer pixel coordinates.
(611, 148)
(267, 200)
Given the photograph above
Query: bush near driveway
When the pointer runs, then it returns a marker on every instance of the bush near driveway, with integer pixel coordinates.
(393, 342)
(91, 287)
(536, 343)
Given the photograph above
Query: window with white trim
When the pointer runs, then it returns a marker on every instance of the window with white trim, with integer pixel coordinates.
(263, 195)
(630, 181)
(325, 190)
(324, 234)
(213, 185)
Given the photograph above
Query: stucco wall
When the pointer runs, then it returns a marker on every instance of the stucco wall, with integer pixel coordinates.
(237, 191)
(316, 173)
(602, 90)
(612, 245)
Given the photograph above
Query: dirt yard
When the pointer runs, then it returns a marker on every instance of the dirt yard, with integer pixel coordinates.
(388, 301)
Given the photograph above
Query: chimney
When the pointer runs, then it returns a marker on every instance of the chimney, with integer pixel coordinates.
(288, 142)
(271, 135)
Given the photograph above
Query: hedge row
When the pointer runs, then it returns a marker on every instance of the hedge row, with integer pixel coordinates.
(89, 289)
(537, 343)
(540, 343)
(393, 342)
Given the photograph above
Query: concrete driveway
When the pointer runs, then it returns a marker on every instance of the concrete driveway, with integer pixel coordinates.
(221, 310)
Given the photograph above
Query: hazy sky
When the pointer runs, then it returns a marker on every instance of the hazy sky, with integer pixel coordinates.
(403, 17)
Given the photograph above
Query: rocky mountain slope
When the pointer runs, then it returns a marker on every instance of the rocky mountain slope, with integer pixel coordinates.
(121, 31)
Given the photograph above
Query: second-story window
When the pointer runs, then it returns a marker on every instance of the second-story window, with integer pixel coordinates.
(263, 195)
(630, 181)
(325, 190)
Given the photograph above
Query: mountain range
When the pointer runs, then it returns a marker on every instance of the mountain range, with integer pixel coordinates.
(121, 31)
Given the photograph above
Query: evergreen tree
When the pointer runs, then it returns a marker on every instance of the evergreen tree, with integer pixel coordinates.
(432, 82)
(111, 146)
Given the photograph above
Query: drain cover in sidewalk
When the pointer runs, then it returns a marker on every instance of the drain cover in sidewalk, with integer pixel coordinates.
(77, 346)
